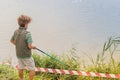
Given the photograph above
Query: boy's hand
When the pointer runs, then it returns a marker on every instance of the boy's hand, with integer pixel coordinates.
(33, 47)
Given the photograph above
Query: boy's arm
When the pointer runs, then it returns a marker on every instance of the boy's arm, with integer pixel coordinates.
(13, 40)
(29, 41)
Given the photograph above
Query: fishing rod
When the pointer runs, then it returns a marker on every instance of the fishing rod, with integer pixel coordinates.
(51, 57)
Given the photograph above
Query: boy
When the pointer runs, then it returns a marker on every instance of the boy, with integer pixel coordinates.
(23, 42)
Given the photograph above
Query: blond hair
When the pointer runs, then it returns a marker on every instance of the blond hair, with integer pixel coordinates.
(23, 19)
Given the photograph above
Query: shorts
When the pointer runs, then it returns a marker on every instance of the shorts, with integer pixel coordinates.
(26, 64)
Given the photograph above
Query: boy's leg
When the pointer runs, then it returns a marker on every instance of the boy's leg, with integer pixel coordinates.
(30, 65)
(31, 74)
(20, 71)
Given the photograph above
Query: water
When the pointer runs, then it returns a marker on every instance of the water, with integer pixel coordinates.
(58, 25)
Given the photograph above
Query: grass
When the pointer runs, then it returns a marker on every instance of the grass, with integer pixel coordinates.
(73, 63)
(8, 73)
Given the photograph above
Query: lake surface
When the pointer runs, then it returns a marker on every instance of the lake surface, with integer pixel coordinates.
(61, 25)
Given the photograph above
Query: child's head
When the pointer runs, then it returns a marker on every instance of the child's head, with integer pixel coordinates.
(23, 20)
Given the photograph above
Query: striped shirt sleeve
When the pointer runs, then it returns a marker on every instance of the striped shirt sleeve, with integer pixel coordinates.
(29, 38)
(13, 38)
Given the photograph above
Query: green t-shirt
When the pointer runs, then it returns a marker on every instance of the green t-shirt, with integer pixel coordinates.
(28, 38)
(22, 38)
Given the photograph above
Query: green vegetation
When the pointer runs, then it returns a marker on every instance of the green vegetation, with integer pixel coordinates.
(8, 73)
(72, 63)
